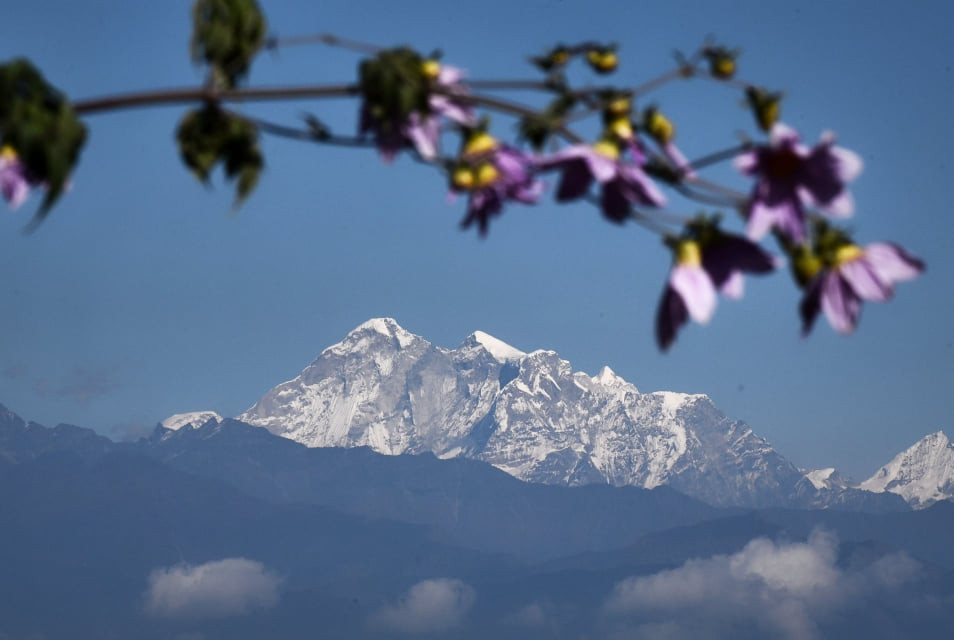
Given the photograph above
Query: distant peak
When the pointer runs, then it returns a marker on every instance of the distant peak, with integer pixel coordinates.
(821, 478)
(193, 420)
(499, 349)
(607, 376)
(385, 326)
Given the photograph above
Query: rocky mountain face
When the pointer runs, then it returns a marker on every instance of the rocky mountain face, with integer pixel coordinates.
(532, 416)
(922, 474)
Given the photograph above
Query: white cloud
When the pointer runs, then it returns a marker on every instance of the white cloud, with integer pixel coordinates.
(432, 605)
(769, 589)
(222, 588)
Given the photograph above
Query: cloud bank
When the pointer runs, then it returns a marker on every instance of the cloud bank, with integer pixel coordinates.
(430, 606)
(218, 589)
(767, 589)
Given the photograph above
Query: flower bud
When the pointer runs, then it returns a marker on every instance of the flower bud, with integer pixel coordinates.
(765, 106)
(721, 62)
(602, 59)
(658, 126)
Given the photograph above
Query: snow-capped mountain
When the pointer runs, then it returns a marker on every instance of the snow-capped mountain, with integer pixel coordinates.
(528, 414)
(922, 474)
(191, 420)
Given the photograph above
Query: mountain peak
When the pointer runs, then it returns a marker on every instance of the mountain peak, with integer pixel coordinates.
(921, 474)
(500, 350)
(192, 419)
(384, 326)
(608, 377)
(387, 327)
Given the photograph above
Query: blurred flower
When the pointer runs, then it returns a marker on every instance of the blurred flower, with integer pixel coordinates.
(492, 173)
(13, 181)
(706, 261)
(437, 91)
(623, 183)
(448, 89)
(791, 177)
(852, 276)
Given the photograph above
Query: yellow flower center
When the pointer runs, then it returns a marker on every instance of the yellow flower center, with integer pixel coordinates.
(847, 253)
(805, 265)
(660, 127)
(724, 67)
(486, 174)
(607, 148)
(7, 153)
(602, 60)
(431, 69)
(689, 253)
(463, 178)
(768, 114)
(619, 106)
(480, 143)
(622, 128)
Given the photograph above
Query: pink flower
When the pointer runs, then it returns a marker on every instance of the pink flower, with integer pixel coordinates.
(622, 183)
(13, 181)
(791, 177)
(856, 275)
(706, 262)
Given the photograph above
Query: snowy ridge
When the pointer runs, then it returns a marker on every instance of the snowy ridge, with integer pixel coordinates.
(822, 478)
(528, 414)
(192, 420)
(497, 348)
(922, 475)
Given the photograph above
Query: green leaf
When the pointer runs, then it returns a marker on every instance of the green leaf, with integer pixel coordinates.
(226, 35)
(211, 135)
(38, 122)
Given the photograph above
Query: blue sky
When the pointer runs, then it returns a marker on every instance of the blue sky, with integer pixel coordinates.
(143, 296)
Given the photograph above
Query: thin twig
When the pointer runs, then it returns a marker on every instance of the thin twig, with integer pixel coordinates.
(736, 196)
(719, 156)
(208, 94)
(704, 197)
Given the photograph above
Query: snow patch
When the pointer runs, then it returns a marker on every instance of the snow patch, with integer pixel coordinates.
(193, 419)
(820, 478)
(387, 327)
(499, 349)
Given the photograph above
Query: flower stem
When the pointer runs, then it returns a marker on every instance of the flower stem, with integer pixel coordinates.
(718, 156)
(208, 94)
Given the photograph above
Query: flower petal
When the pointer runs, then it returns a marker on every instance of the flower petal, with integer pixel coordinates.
(677, 158)
(823, 177)
(730, 255)
(733, 286)
(575, 181)
(638, 187)
(810, 305)
(614, 202)
(892, 263)
(747, 162)
(864, 281)
(841, 305)
(670, 316)
(782, 134)
(696, 289)
(423, 133)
